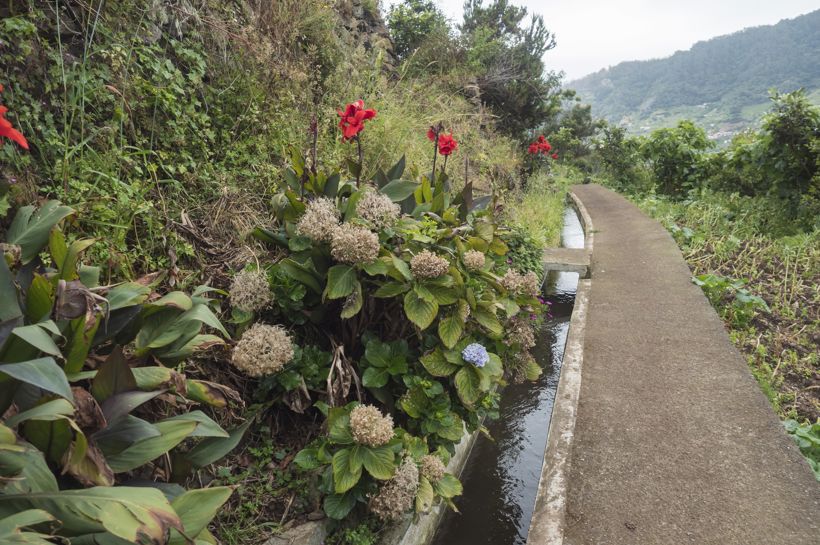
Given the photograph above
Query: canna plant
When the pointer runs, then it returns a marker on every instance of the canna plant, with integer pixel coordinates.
(89, 423)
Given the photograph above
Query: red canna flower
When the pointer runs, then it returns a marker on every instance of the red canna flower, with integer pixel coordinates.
(352, 119)
(7, 130)
(555, 156)
(533, 149)
(447, 144)
(431, 134)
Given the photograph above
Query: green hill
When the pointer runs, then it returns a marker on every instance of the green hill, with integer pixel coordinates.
(721, 83)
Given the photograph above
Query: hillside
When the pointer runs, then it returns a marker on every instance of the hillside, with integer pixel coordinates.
(721, 83)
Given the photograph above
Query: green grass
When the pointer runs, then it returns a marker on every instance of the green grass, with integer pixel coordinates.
(539, 209)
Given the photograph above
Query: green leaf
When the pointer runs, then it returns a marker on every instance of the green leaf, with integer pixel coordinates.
(39, 298)
(56, 409)
(398, 190)
(113, 377)
(338, 423)
(353, 303)
(301, 273)
(420, 312)
(450, 329)
(341, 281)
(437, 365)
(488, 320)
(424, 495)
(344, 477)
(448, 486)
(397, 170)
(374, 377)
(391, 289)
(379, 461)
(123, 433)
(308, 458)
(443, 295)
(171, 434)
(338, 506)
(206, 427)
(25, 469)
(10, 312)
(467, 385)
(127, 295)
(38, 336)
(215, 448)
(135, 514)
(402, 267)
(30, 229)
(196, 508)
(43, 373)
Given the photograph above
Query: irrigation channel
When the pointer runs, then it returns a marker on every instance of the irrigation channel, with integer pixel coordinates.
(501, 475)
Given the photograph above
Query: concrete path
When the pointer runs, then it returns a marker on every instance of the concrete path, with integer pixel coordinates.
(674, 442)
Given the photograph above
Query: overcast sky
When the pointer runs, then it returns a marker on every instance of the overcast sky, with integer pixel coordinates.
(595, 34)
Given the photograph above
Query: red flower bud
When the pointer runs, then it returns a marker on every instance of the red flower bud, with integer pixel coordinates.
(555, 156)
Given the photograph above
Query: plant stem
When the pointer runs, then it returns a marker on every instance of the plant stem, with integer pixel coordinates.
(435, 154)
(361, 161)
(444, 168)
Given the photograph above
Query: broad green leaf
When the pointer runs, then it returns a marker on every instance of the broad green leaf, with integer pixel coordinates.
(43, 373)
(341, 281)
(443, 295)
(338, 423)
(398, 190)
(123, 433)
(488, 320)
(467, 385)
(344, 477)
(448, 486)
(119, 405)
(68, 266)
(379, 461)
(176, 299)
(300, 273)
(127, 295)
(12, 528)
(391, 289)
(39, 337)
(171, 434)
(338, 506)
(196, 508)
(396, 170)
(424, 495)
(374, 377)
(113, 377)
(206, 427)
(25, 469)
(30, 229)
(184, 348)
(56, 409)
(130, 513)
(10, 312)
(402, 267)
(307, 459)
(450, 329)
(353, 303)
(420, 312)
(39, 298)
(437, 365)
(80, 337)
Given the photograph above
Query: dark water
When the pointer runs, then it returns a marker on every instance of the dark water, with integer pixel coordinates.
(501, 476)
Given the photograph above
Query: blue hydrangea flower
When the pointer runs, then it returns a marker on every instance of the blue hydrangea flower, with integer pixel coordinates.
(476, 354)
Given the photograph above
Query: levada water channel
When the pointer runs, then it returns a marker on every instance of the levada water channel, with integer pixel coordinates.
(501, 475)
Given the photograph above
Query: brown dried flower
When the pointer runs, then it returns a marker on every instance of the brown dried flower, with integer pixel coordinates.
(396, 496)
(426, 264)
(369, 427)
(521, 284)
(250, 291)
(432, 467)
(319, 221)
(263, 350)
(474, 260)
(378, 209)
(352, 244)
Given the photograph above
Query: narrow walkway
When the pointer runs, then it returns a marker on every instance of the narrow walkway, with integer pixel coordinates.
(674, 442)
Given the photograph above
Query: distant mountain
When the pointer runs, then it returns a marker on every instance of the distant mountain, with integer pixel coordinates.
(721, 83)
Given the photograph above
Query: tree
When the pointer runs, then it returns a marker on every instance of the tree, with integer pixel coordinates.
(412, 22)
(506, 55)
(676, 157)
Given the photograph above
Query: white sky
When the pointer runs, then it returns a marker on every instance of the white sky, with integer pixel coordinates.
(595, 34)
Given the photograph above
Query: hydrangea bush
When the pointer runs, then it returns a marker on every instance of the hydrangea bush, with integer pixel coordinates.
(404, 287)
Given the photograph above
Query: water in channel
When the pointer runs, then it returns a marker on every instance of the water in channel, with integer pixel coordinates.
(501, 476)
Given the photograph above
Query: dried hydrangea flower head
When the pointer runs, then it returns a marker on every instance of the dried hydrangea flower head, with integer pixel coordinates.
(474, 260)
(319, 221)
(432, 468)
(426, 264)
(369, 427)
(521, 284)
(396, 496)
(353, 244)
(250, 291)
(378, 209)
(476, 354)
(263, 350)
(520, 331)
